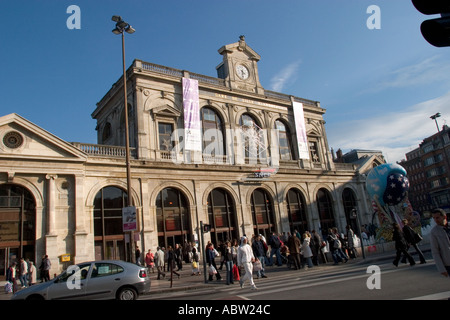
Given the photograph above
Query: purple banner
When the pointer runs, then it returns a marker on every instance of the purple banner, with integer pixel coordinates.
(192, 127)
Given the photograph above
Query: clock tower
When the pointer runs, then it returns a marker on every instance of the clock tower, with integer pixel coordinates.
(240, 67)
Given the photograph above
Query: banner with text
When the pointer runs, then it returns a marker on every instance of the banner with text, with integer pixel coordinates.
(192, 127)
(300, 128)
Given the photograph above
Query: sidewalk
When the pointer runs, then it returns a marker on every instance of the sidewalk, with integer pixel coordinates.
(188, 282)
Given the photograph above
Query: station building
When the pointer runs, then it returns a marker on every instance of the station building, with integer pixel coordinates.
(221, 151)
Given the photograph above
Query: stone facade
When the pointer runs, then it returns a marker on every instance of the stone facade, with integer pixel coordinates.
(66, 179)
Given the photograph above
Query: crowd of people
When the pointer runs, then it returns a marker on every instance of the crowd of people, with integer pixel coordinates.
(26, 272)
(251, 255)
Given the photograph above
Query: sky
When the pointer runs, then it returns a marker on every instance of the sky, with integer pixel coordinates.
(379, 86)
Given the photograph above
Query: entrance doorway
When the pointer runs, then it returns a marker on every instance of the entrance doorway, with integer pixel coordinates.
(17, 226)
(172, 216)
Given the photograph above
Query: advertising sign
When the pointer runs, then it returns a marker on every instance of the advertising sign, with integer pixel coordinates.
(129, 219)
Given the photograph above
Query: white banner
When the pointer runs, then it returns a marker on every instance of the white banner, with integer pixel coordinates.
(300, 128)
(192, 126)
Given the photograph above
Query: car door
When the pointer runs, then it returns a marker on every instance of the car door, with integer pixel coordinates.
(104, 280)
(71, 284)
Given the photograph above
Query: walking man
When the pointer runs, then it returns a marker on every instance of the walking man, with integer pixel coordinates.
(159, 262)
(245, 259)
(440, 242)
(413, 239)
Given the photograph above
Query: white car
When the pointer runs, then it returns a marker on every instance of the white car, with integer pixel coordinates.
(107, 279)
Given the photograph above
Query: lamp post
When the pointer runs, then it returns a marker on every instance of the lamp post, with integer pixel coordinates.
(434, 117)
(121, 28)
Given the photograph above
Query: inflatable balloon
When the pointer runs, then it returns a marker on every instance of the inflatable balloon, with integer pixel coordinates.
(396, 189)
(387, 184)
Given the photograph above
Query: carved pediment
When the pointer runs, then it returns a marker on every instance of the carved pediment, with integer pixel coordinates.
(166, 111)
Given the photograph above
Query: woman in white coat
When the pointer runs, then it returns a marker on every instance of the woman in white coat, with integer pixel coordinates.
(306, 250)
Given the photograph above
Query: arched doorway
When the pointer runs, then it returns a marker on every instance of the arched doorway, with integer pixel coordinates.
(173, 218)
(325, 208)
(17, 225)
(296, 208)
(108, 225)
(349, 201)
(222, 216)
(262, 213)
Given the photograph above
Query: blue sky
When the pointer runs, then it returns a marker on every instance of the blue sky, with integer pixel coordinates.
(379, 86)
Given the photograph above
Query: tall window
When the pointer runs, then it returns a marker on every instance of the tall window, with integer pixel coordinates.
(108, 225)
(172, 217)
(284, 141)
(325, 207)
(314, 151)
(296, 211)
(349, 201)
(262, 212)
(252, 138)
(212, 132)
(222, 216)
(165, 131)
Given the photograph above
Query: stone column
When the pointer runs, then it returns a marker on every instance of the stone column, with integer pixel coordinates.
(51, 237)
(81, 234)
(51, 204)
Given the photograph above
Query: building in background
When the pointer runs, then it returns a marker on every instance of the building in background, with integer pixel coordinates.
(428, 172)
(219, 151)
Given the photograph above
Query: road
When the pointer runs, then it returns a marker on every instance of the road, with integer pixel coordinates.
(351, 281)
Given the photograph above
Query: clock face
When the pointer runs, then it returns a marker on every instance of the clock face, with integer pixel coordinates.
(242, 71)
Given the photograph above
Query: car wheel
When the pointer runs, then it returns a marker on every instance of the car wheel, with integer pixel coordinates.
(127, 293)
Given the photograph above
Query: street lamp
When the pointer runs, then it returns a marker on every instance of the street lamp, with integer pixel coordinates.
(121, 27)
(434, 117)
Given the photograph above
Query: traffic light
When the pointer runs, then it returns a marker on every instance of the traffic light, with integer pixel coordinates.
(435, 31)
(206, 227)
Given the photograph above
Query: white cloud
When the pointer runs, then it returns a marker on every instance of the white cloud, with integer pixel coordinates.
(394, 133)
(427, 71)
(288, 73)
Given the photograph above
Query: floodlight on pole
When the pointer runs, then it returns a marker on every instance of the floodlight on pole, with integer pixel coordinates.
(434, 117)
(121, 28)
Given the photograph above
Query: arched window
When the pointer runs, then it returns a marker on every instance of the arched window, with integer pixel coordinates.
(325, 207)
(284, 141)
(172, 216)
(262, 212)
(222, 216)
(212, 133)
(252, 139)
(106, 134)
(108, 224)
(17, 225)
(296, 208)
